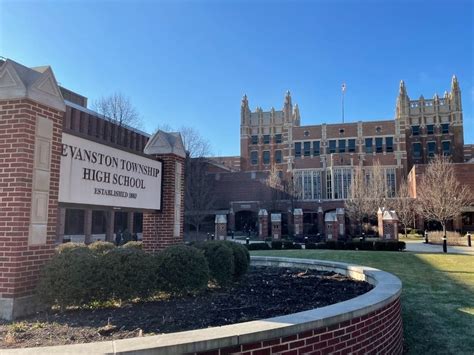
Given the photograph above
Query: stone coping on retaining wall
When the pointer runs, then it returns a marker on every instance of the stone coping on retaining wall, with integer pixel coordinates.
(387, 289)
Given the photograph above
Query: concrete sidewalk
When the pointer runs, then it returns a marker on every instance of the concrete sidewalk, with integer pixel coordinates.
(419, 246)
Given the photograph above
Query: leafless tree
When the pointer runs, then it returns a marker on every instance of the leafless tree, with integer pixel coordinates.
(199, 192)
(376, 189)
(404, 206)
(275, 184)
(357, 205)
(118, 109)
(368, 192)
(440, 196)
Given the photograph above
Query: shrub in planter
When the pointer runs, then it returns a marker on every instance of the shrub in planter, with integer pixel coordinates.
(287, 244)
(310, 246)
(181, 269)
(67, 247)
(257, 246)
(126, 273)
(241, 258)
(365, 245)
(133, 245)
(69, 278)
(349, 245)
(277, 244)
(220, 258)
(330, 244)
(101, 247)
(401, 246)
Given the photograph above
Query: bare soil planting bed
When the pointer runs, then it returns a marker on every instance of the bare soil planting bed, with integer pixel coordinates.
(263, 293)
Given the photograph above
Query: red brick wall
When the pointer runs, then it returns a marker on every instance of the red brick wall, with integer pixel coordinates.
(158, 226)
(379, 332)
(20, 262)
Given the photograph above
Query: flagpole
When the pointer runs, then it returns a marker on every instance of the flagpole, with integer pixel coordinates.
(343, 92)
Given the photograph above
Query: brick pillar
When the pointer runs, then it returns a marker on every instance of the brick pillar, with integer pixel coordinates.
(298, 221)
(87, 225)
(30, 150)
(262, 224)
(321, 221)
(110, 225)
(61, 224)
(390, 225)
(276, 225)
(130, 225)
(165, 227)
(341, 223)
(231, 220)
(220, 227)
(380, 222)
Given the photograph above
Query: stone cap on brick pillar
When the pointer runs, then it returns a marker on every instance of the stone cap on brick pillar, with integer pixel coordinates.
(263, 212)
(298, 212)
(390, 216)
(320, 209)
(339, 210)
(221, 218)
(165, 143)
(330, 217)
(276, 217)
(37, 84)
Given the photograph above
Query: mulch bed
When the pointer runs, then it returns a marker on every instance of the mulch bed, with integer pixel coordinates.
(263, 293)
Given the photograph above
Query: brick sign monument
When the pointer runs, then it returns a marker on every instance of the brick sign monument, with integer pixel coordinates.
(51, 159)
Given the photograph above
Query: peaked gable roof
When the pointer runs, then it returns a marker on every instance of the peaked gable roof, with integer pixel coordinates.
(37, 84)
(165, 143)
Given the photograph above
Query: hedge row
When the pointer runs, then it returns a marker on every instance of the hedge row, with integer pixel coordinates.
(79, 275)
(380, 245)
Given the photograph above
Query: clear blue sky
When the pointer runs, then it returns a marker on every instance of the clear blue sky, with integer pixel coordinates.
(190, 62)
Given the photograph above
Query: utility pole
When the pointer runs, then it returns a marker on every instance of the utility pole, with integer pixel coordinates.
(343, 92)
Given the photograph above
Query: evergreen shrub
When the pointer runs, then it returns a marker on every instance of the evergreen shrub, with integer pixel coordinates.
(181, 269)
(220, 258)
(69, 278)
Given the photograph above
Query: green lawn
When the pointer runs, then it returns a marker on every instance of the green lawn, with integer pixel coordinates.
(437, 298)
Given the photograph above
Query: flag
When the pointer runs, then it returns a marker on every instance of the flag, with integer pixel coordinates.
(343, 87)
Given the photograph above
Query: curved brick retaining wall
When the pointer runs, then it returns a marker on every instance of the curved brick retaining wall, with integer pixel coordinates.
(370, 323)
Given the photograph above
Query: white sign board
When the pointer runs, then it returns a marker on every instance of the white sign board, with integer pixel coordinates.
(95, 174)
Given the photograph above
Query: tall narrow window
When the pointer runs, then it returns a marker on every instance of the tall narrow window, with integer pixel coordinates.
(278, 138)
(254, 157)
(379, 145)
(278, 156)
(342, 146)
(445, 128)
(332, 146)
(352, 145)
(429, 129)
(415, 130)
(391, 181)
(416, 150)
(446, 148)
(389, 144)
(266, 157)
(316, 148)
(307, 149)
(254, 139)
(368, 145)
(431, 149)
(297, 149)
(329, 184)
